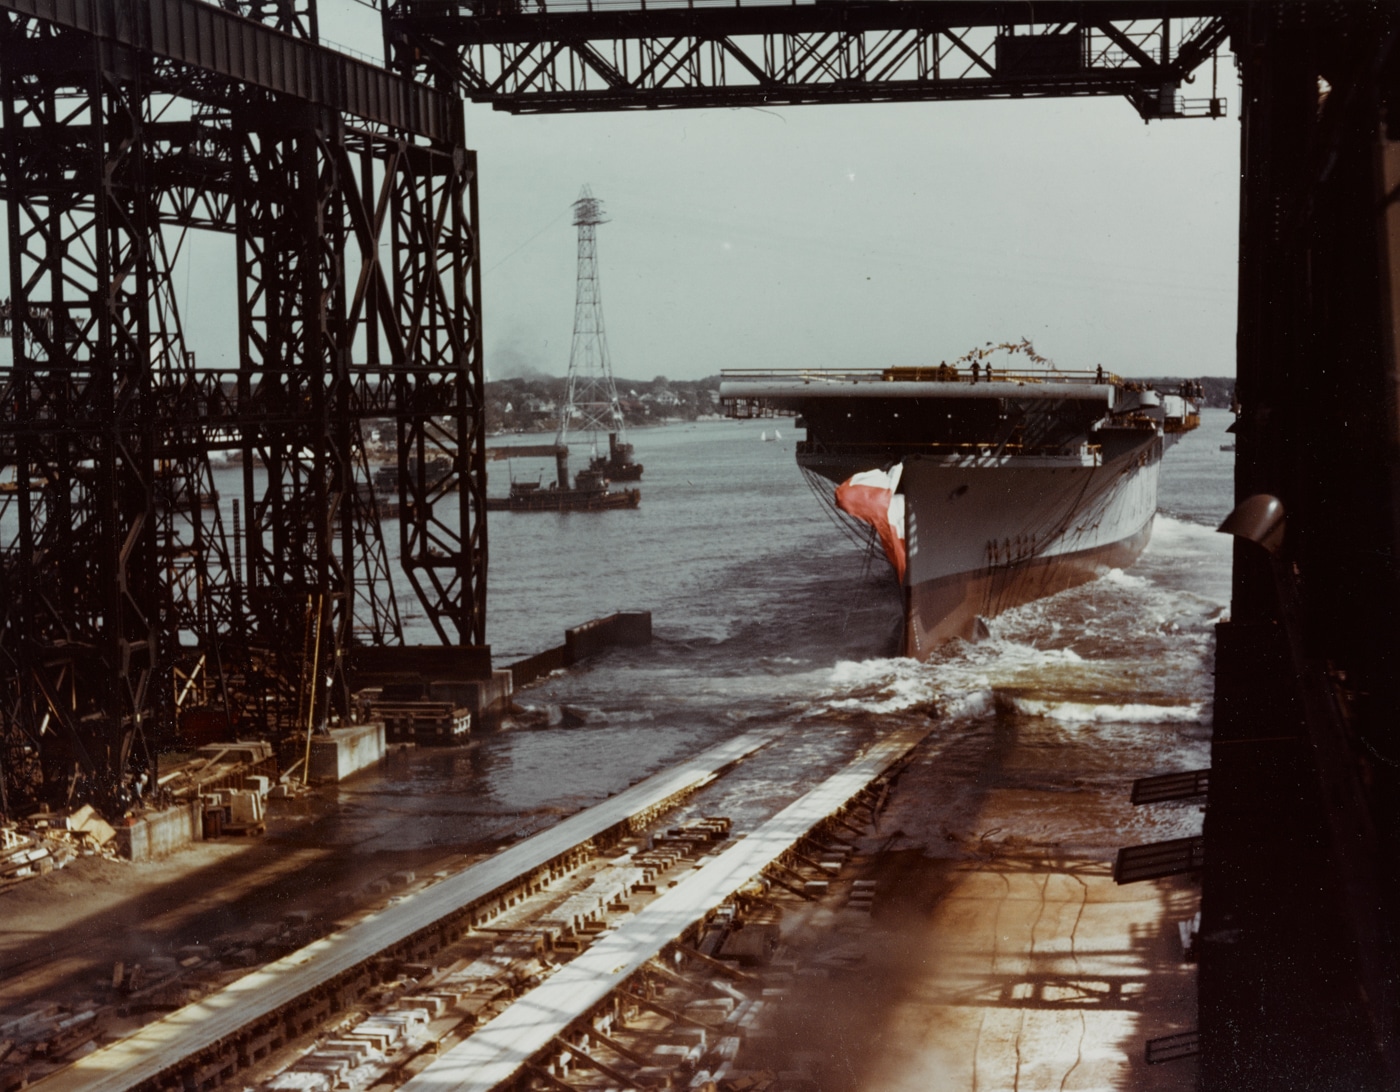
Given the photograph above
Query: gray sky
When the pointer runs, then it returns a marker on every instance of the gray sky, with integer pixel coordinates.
(851, 236)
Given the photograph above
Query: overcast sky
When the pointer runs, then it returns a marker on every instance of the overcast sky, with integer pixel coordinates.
(855, 236)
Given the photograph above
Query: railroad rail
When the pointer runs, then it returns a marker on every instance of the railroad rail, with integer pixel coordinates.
(499, 1050)
(330, 1007)
(207, 1041)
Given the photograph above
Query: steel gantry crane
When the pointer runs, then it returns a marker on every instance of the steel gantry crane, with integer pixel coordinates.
(351, 200)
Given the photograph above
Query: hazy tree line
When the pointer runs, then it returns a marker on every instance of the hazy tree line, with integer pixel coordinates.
(531, 404)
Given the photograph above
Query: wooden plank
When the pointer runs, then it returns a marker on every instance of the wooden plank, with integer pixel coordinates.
(1168, 1048)
(668, 1012)
(617, 1048)
(1159, 859)
(587, 1059)
(719, 965)
(1172, 786)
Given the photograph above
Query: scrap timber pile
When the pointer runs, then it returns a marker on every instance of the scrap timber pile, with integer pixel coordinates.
(46, 842)
(231, 781)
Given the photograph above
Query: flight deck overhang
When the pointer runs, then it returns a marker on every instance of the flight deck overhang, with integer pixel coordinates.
(793, 393)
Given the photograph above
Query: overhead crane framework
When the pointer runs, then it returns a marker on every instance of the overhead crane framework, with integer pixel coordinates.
(351, 199)
(530, 56)
(128, 122)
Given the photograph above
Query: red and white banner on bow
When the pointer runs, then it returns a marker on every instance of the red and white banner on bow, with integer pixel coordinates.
(870, 497)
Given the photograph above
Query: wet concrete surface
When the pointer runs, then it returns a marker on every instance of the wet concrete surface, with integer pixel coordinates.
(1000, 954)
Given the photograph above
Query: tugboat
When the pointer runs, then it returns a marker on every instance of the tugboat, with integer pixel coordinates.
(618, 466)
(589, 494)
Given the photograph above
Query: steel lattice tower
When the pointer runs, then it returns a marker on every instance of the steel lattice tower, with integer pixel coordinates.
(591, 392)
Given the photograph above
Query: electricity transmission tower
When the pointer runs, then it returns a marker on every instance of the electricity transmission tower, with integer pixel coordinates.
(590, 404)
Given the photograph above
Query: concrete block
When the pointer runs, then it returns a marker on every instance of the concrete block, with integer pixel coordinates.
(377, 1037)
(294, 1081)
(351, 1059)
(449, 997)
(346, 751)
(723, 1004)
(159, 833)
(245, 807)
(675, 1055)
(361, 1048)
(335, 1068)
(434, 1006)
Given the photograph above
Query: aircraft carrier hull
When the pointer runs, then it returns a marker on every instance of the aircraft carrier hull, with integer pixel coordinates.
(985, 535)
(985, 493)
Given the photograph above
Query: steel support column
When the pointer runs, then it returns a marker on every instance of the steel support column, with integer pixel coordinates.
(293, 402)
(1298, 960)
(439, 401)
(79, 531)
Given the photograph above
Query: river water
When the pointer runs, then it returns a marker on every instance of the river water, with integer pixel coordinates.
(765, 611)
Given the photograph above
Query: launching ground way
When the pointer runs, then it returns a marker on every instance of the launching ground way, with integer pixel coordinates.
(206, 1043)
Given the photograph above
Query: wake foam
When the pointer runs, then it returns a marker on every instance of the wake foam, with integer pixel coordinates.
(1109, 713)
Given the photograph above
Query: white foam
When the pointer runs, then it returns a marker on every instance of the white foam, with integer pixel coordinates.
(1130, 633)
(1123, 580)
(880, 685)
(973, 703)
(1130, 713)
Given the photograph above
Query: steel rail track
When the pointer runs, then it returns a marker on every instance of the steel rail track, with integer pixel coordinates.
(204, 1041)
(500, 1049)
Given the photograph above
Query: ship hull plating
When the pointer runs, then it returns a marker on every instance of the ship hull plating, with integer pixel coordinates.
(985, 534)
(939, 610)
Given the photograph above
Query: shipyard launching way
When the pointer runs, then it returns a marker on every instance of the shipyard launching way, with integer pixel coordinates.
(987, 487)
